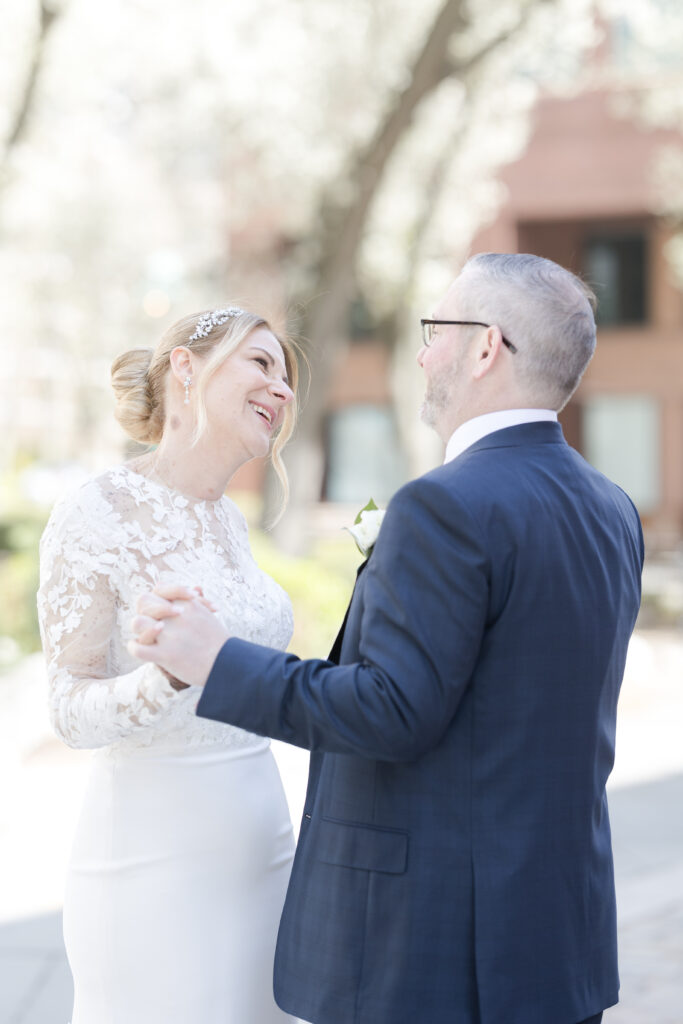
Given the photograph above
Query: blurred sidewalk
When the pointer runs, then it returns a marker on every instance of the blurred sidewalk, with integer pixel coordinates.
(43, 782)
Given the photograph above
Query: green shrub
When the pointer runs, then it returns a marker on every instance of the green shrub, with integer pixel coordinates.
(319, 586)
(19, 574)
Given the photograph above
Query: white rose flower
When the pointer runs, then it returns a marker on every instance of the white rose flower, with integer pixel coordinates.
(365, 531)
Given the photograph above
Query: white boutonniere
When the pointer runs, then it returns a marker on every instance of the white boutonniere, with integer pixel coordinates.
(366, 527)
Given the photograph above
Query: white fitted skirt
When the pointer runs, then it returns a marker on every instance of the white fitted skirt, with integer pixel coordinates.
(175, 888)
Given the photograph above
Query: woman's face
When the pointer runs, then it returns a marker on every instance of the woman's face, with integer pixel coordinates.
(247, 395)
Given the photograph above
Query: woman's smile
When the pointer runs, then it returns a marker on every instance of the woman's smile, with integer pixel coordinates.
(265, 412)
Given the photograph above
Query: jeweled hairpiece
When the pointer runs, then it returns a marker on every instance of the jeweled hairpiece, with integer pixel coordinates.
(217, 318)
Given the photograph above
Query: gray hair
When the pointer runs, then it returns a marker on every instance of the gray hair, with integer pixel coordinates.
(544, 310)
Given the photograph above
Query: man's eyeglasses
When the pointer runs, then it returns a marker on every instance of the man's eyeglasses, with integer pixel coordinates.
(429, 325)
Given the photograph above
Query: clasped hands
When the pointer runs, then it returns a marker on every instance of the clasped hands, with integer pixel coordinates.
(177, 629)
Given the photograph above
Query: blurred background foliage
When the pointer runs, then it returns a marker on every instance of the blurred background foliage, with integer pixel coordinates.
(319, 585)
(21, 524)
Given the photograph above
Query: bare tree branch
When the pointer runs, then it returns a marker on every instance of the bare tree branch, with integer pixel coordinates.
(48, 15)
(432, 66)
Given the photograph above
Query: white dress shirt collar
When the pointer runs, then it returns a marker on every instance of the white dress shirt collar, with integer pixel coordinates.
(473, 430)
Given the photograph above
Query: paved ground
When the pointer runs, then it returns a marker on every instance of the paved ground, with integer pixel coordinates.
(43, 782)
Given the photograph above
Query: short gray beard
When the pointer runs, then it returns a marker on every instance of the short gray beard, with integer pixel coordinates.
(438, 396)
(434, 403)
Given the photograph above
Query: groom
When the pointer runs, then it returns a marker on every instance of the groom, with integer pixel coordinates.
(455, 861)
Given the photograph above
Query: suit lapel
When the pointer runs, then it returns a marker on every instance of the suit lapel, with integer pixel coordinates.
(335, 653)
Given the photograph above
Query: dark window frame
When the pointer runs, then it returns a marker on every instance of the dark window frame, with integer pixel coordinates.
(627, 302)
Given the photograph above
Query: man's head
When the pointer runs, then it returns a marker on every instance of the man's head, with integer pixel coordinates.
(543, 310)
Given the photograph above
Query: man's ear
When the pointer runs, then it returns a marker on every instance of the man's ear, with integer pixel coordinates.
(487, 352)
(181, 363)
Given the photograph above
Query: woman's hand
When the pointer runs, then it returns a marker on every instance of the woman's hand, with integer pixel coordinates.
(176, 628)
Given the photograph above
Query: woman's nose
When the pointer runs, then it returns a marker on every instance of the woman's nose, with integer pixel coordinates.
(279, 389)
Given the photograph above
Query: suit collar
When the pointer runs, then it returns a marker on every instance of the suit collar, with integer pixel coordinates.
(515, 437)
(472, 430)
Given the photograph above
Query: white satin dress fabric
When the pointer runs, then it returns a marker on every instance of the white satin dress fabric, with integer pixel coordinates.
(184, 846)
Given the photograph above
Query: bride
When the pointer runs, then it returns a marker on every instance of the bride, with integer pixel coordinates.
(184, 846)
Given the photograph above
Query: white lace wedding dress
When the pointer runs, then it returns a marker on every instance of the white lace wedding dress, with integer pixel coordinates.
(184, 846)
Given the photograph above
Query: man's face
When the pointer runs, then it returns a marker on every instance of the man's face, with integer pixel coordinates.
(444, 364)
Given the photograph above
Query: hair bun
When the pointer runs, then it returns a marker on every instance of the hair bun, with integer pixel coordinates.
(135, 409)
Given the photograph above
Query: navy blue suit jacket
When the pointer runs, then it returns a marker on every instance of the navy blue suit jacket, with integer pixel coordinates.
(455, 862)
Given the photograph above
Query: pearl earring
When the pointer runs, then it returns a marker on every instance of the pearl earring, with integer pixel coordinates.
(186, 384)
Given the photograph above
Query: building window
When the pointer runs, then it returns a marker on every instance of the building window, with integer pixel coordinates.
(364, 459)
(615, 266)
(621, 439)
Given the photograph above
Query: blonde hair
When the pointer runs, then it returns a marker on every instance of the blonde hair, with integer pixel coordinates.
(138, 378)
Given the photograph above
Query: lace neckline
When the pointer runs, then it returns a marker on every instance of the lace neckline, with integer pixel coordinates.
(174, 492)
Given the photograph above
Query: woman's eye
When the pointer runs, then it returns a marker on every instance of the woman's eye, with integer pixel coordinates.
(261, 362)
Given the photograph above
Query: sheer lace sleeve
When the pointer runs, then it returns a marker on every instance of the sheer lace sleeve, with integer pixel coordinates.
(98, 692)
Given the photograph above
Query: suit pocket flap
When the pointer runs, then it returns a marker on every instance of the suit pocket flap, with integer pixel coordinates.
(361, 846)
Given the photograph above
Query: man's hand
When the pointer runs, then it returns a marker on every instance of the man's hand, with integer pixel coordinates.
(177, 630)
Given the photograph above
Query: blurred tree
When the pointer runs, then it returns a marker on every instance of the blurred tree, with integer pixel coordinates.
(47, 16)
(286, 153)
(454, 50)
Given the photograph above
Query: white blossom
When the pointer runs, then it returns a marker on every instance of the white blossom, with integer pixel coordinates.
(365, 532)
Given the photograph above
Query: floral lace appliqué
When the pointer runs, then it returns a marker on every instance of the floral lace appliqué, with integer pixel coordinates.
(114, 539)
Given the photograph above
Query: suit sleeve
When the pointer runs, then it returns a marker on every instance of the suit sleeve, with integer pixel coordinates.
(425, 600)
